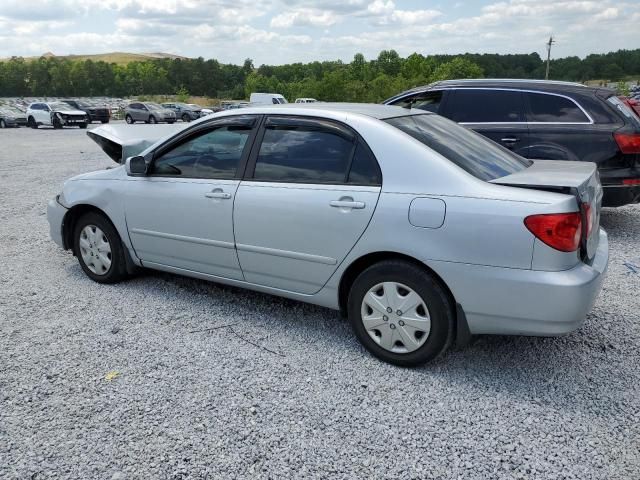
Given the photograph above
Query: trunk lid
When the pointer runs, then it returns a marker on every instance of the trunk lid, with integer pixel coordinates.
(580, 179)
(122, 141)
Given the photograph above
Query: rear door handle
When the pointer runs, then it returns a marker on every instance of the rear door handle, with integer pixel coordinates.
(218, 194)
(347, 204)
(509, 139)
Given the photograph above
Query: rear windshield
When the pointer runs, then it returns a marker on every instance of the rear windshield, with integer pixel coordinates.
(472, 152)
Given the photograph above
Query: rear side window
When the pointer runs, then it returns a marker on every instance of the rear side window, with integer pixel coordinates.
(303, 154)
(429, 101)
(472, 152)
(485, 106)
(547, 108)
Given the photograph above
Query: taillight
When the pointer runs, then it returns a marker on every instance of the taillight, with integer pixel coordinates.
(562, 231)
(628, 142)
(631, 181)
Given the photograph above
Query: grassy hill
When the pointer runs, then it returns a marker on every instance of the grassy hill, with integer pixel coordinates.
(121, 58)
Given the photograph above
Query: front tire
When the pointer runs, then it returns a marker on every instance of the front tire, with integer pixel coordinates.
(82, 125)
(153, 120)
(105, 121)
(99, 249)
(32, 123)
(401, 313)
(57, 124)
(3, 124)
(186, 118)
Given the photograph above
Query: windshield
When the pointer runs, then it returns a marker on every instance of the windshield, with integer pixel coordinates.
(469, 150)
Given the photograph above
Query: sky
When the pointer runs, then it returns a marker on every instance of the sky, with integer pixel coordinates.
(284, 31)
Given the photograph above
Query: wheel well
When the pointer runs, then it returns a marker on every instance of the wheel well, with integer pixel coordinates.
(362, 263)
(70, 219)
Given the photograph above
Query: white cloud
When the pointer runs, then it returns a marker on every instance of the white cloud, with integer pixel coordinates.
(305, 17)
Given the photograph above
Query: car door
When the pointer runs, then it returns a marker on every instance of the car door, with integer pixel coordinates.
(498, 114)
(141, 112)
(180, 214)
(43, 114)
(559, 129)
(310, 190)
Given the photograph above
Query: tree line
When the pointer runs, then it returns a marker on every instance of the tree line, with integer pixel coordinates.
(360, 80)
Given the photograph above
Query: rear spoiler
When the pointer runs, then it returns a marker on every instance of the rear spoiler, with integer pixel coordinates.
(122, 141)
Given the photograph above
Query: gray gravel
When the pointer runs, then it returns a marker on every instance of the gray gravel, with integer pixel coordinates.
(192, 400)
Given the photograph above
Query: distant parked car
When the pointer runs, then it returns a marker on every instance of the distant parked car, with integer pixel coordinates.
(419, 230)
(545, 120)
(306, 100)
(184, 111)
(267, 99)
(55, 114)
(148, 112)
(98, 114)
(12, 117)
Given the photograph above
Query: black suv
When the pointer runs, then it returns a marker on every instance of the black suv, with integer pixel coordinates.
(100, 114)
(545, 120)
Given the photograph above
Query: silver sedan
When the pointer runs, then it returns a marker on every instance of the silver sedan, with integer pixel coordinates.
(420, 231)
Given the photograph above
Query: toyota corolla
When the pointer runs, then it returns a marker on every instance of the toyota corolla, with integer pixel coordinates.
(420, 231)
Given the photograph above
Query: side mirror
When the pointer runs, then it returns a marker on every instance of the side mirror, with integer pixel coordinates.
(136, 166)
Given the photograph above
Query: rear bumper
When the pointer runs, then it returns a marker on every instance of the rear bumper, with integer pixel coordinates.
(55, 217)
(507, 301)
(619, 195)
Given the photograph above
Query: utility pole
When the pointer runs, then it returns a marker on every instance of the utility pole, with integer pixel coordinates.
(549, 43)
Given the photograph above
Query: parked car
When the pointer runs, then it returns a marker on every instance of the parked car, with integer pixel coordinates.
(12, 117)
(420, 230)
(148, 112)
(96, 114)
(267, 99)
(632, 103)
(545, 120)
(306, 100)
(183, 111)
(55, 114)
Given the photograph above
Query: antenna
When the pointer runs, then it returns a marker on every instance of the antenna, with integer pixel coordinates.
(549, 43)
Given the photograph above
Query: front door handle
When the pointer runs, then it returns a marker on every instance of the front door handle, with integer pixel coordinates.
(510, 140)
(347, 204)
(218, 194)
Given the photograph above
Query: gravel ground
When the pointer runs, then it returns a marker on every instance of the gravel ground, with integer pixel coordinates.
(143, 379)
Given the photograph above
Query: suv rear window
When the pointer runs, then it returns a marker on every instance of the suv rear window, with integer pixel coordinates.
(471, 151)
(553, 109)
(476, 105)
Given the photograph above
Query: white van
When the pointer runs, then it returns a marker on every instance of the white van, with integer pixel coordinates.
(267, 98)
(306, 100)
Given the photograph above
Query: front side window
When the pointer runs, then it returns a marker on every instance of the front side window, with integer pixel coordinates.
(429, 101)
(485, 106)
(553, 109)
(303, 154)
(471, 151)
(215, 154)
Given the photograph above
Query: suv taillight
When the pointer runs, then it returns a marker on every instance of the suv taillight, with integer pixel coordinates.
(562, 231)
(628, 142)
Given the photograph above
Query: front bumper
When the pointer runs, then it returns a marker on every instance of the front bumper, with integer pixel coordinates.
(507, 301)
(55, 217)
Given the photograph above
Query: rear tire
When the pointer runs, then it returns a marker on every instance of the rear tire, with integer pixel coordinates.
(99, 250)
(105, 121)
(82, 125)
(3, 124)
(406, 338)
(129, 119)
